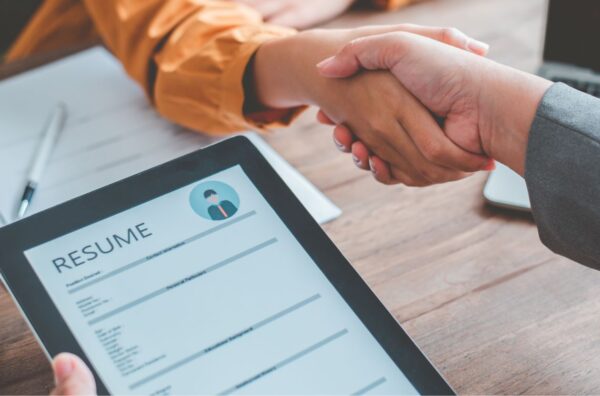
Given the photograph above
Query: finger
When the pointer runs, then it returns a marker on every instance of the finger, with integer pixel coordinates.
(447, 35)
(324, 118)
(397, 155)
(451, 36)
(491, 166)
(381, 171)
(343, 138)
(408, 179)
(381, 51)
(72, 376)
(433, 144)
(388, 140)
(388, 175)
(360, 155)
(345, 63)
(402, 153)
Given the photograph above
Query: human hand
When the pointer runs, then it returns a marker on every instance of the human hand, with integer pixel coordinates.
(72, 376)
(394, 124)
(298, 14)
(488, 108)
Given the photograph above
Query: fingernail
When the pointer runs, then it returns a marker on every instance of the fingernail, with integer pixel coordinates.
(372, 166)
(490, 165)
(356, 160)
(324, 63)
(62, 369)
(478, 46)
(339, 145)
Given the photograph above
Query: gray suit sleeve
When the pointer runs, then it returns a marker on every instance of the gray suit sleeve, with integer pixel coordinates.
(563, 173)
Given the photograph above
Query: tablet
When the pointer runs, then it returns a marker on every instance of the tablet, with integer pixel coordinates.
(206, 275)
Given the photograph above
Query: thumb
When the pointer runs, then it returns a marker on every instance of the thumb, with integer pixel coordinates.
(378, 52)
(72, 376)
(383, 50)
(342, 65)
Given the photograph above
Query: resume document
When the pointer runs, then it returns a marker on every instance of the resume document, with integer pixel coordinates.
(205, 290)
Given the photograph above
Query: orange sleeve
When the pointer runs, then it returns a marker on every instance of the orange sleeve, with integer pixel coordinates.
(391, 4)
(190, 56)
(56, 24)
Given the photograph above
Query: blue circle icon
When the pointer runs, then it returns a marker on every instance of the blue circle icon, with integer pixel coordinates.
(214, 200)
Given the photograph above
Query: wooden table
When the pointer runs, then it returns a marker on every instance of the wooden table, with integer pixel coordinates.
(493, 309)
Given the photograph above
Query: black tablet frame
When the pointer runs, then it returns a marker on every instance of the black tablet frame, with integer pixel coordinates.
(37, 229)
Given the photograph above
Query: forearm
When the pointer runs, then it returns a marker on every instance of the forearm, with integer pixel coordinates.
(273, 77)
(551, 136)
(509, 100)
(285, 73)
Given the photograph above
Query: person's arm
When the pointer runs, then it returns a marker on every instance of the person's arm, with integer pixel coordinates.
(548, 133)
(202, 62)
(562, 173)
(190, 57)
(193, 59)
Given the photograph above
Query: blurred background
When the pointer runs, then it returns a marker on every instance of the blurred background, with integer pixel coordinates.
(13, 18)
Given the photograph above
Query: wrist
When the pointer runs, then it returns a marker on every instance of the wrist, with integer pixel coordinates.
(509, 100)
(273, 88)
(285, 73)
(283, 69)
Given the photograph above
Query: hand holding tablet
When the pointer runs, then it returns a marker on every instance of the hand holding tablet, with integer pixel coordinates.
(206, 275)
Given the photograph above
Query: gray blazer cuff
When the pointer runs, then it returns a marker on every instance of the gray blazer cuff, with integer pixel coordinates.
(563, 173)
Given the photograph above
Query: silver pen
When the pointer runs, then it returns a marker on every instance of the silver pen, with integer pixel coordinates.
(52, 129)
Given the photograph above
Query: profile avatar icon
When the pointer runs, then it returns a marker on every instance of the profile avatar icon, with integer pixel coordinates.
(219, 210)
(214, 200)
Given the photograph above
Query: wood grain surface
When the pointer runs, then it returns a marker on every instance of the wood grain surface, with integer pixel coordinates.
(492, 308)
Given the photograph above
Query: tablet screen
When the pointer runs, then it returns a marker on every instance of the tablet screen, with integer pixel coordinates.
(205, 290)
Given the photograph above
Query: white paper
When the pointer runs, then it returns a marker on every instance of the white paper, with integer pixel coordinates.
(111, 133)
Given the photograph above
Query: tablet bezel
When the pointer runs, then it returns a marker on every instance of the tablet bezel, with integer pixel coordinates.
(53, 332)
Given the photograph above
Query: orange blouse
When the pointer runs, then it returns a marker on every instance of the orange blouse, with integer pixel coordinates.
(189, 55)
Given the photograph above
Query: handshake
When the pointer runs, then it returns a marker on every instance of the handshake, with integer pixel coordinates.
(414, 105)
(426, 131)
